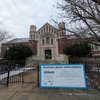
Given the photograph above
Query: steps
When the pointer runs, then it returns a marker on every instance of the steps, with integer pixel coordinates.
(31, 61)
(48, 62)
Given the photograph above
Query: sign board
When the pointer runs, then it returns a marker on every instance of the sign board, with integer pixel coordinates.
(62, 76)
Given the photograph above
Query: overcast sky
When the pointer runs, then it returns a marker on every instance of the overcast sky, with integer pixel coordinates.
(18, 15)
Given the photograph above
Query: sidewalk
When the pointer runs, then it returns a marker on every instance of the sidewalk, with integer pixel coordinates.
(31, 92)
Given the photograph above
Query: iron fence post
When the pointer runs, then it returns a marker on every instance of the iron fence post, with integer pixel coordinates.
(38, 74)
(8, 76)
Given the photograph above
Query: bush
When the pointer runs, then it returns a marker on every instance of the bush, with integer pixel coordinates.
(18, 54)
(78, 50)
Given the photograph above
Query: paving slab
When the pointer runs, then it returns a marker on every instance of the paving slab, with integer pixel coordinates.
(31, 92)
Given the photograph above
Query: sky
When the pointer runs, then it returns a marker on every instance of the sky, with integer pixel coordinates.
(17, 15)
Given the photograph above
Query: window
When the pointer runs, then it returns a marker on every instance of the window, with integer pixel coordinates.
(43, 42)
(58, 34)
(33, 36)
(47, 40)
(44, 29)
(96, 47)
(92, 46)
(36, 36)
(51, 40)
(47, 28)
(41, 31)
(52, 30)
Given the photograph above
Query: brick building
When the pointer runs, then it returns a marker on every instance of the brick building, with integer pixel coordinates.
(47, 42)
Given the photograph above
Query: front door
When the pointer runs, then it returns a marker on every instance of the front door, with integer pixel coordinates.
(48, 54)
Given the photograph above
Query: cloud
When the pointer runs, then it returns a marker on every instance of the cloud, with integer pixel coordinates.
(18, 15)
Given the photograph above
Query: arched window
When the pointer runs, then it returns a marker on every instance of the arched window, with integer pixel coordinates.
(47, 39)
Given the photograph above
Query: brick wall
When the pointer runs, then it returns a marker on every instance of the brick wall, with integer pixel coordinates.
(62, 42)
(33, 46)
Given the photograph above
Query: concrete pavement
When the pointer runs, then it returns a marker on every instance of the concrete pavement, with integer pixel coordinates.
(31, 92)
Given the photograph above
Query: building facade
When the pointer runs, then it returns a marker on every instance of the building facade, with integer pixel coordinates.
(47, 43)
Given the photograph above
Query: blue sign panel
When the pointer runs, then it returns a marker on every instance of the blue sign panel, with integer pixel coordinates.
(62, 76)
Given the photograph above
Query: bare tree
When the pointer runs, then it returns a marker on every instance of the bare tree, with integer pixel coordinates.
(84, 15)
(4, 35)
(97, 1)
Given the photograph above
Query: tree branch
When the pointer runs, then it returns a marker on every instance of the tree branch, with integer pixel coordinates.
(96, 1)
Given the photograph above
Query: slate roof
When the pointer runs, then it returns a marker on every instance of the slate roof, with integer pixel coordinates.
(19, 40)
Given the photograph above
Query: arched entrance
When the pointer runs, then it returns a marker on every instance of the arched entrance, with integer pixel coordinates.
(48, 54)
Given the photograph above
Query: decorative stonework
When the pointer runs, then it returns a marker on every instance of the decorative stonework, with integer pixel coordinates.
(47, 41)
(55, 39)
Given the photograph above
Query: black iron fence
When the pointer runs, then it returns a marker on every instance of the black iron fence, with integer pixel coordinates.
(92, 69)
(31, 74)
(19, 75)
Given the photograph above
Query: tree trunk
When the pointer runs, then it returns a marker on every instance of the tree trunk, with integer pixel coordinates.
(96, 1)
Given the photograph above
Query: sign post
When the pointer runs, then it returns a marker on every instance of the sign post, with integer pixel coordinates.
(62, 76)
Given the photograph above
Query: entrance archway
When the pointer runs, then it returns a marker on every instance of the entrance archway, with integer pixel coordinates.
(48, 54)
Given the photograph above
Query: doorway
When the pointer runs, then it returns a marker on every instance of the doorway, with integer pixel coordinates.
(48, 54)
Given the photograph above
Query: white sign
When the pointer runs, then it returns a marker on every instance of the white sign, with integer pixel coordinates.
(62, 76)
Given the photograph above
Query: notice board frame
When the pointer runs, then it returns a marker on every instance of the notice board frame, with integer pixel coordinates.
(69, 87)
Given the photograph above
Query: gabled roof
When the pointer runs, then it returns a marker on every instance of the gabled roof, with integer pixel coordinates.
(19, 40)
(46, 24)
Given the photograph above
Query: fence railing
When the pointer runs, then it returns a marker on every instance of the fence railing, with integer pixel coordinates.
(19, 75)
(92, 69)
(31, 74)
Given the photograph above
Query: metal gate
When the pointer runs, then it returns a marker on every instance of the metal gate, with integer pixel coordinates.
(27, 74)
